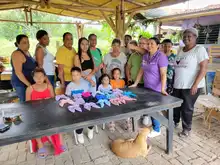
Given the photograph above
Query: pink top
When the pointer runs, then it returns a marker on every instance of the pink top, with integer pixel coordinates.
(36, 95)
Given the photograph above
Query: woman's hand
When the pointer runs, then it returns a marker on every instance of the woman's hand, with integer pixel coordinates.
(194, 90)
(164, 92)
(88, 77)
(92, 83)
(133, 86)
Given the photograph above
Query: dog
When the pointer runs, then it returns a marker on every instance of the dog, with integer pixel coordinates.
(132, 148)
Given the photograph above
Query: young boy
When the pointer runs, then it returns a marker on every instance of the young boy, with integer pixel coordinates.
(78, 83)
(133, 65)
(167, 49)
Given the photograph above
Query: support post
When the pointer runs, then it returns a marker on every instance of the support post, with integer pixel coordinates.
(80, 28)
(120, 21)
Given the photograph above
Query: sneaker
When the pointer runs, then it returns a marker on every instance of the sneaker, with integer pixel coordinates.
(184, 134)
(90, 133)
(80, 138)
(146, 120)
(154, 133)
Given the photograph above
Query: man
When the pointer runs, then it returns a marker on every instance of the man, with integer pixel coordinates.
(65, 59)
(124, 49)
(96, 54)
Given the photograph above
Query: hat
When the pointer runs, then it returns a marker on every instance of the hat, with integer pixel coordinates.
(192, 30)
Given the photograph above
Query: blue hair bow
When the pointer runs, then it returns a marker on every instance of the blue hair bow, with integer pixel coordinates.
(129, 94)
(103, 102)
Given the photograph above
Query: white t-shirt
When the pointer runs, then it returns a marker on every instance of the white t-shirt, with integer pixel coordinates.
(187, 67)
(81, 86)
(115, 62)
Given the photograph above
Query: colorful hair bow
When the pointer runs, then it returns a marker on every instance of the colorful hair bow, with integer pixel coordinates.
(126, 98)
(118, 101)
(75, 107)
(64, 101)
(90, 105)
(102, 103)
(75, 96)
(86, 94)
(129, 94)
(101, 97)
(59, 97)
(76, 92)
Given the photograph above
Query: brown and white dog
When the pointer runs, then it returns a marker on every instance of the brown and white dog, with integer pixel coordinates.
(132, 148)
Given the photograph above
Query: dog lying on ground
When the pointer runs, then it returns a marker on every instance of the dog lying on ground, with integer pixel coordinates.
(132, 148)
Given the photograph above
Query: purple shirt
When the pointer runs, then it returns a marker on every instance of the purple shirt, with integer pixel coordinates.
(151, 67)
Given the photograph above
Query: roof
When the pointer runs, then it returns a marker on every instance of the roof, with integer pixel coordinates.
(85, 9)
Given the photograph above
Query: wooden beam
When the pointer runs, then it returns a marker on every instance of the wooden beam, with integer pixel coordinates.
(26, 15)
(135, 3)
(156, 5)
(109, 21)
(12, 8)
(59, 6)
(31, 20)
(184, 16)
(108, 2)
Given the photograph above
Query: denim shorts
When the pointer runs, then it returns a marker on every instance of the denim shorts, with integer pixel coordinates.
(51, 78)
(21, 93)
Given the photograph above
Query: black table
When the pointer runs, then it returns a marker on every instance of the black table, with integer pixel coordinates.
(45, 117)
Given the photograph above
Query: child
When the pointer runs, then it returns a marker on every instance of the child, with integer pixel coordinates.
(117, 82)
(41, 90)
(104, 83)
(167, 48)
(78, 83)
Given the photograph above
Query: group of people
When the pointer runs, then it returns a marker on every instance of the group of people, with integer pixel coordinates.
(141, 64)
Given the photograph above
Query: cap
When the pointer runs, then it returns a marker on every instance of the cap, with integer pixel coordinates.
(192, 30)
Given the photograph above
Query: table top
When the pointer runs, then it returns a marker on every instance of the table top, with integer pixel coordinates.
(45, 117)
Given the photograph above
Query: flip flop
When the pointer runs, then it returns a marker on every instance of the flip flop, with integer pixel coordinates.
(42, 153)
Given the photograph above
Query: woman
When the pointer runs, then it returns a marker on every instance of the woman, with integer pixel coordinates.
(154, 69)
(85, 61)
(44, 58)
(190, 69)
(22, 66)
(115, 59)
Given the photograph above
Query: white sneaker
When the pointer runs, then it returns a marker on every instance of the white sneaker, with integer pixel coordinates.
(90, 133)
(153, 134)
(146, 121)
(80, 138)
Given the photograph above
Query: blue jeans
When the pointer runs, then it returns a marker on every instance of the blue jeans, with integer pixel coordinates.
(156, 124)
(51, 78)
(21, 92)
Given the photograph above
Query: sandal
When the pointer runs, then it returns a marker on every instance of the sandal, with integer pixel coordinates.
(111, 126)
(63, 148)
(42, 153)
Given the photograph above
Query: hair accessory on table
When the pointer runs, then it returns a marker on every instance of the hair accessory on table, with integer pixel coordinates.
(118, 101)
(86, 94)
(79, 95)
(63, 102)
(129, 94)
(76, 92)
(90, 105)
(59, 97)
(117, 93)
(102, 102)
(101, 97)
(126, 98)
(75, 107)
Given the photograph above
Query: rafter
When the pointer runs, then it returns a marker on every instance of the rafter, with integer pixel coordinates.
(135, 3)
(156, 5)
(109, 21)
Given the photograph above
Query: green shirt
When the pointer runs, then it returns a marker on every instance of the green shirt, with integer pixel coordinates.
(135, 61)
(97, 56)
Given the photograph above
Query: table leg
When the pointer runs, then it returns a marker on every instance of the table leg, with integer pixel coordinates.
(169, 130)
(134, 123)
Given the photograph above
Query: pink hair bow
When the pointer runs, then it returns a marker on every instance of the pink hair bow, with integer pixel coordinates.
(64, 101)
(86, 94)
(117, 101)
(90, 105)
(59, 97)
(126, 98)
(74, 107)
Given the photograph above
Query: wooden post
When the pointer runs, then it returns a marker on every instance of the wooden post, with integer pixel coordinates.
(80, 28)
(120, 21)
(26, 15)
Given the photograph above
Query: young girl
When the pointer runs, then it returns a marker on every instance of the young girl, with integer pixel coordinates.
(116, 81)
(104, 83)
(41, 90)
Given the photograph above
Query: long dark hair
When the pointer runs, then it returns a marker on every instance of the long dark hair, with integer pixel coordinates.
(80, 51)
